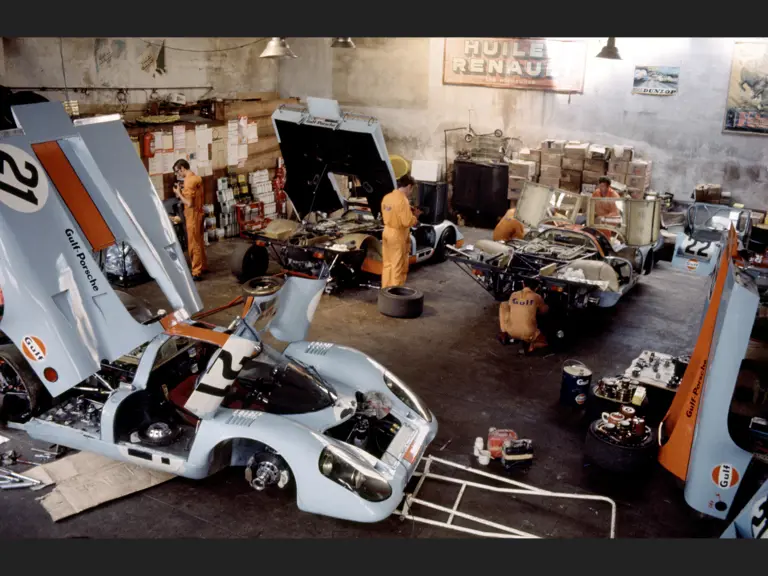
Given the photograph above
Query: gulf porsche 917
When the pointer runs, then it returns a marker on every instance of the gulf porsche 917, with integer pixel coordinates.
(319, 143)
(85, 367)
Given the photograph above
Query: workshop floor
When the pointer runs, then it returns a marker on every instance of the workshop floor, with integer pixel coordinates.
(451, 358)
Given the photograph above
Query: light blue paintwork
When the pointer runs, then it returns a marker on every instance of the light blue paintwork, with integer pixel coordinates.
(752, 521)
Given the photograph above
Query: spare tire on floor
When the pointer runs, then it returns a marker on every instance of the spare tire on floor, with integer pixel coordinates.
(248, 261)
(619, 458)
(401, 302)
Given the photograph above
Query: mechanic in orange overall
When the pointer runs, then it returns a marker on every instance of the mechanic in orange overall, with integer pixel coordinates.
(190, 192)
(604, 190)
(508, 228)
(398, 217)
(517, 319)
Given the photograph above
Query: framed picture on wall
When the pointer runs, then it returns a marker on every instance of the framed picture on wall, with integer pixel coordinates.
(747, 106)
(518, 63)
(656, 80)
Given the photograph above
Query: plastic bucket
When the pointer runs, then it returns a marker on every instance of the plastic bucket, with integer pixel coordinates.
(575, 383)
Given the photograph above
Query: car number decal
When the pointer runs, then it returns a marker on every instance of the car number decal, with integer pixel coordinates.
(696, 248)
(23, 183)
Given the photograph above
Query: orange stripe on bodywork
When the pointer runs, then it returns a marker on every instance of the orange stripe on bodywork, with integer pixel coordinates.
(372, 266)
(74, 194)
(681, 417)
(193, 332)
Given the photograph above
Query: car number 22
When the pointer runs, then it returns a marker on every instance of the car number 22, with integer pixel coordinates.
(696, 248)
(23, 184)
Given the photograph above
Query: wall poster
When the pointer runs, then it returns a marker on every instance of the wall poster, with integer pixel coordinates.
(656, 80)
(519, 63)
(747, 106)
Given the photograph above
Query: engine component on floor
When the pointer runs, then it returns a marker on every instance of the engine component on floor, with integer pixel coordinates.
(621, 389)
(496, 440)
(160, 434)
(80, 413)
(623, 427)
(618, 444)
(266, 469)
(658, 368)
(574, 383)
(515, 452)
(483, 456)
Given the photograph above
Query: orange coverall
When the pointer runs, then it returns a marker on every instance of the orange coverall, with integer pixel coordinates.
(606, 209)
(193, 215)
(518, 317)
(396, 238)
(508, 227)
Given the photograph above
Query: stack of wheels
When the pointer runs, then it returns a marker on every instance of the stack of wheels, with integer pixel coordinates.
(612, 456)
(401, 302)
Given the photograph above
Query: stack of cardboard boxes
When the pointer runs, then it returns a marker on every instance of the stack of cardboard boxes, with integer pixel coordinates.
(577, 166)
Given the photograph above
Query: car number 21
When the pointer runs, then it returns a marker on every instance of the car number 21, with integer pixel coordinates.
(23, 183)
(696, 248)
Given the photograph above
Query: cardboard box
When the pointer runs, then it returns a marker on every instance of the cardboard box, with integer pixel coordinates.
(618, 167)
(641, 182)
(599, 166)
(553, 146)
(570, 186)
(529, 154)
(619, 178)
(551, 158)
(589, 177)
(597, 152)
(588, 188)
(522, 168)
(576, 150)
(622, 153)
(640, 168)
(550, 171)
(636, 193)
(573, 163)
(547, 181)
(571, 177)
(515, 186)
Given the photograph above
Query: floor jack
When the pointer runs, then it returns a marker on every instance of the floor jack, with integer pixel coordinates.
(695, 442)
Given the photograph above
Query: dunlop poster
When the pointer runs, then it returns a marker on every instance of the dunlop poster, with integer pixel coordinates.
(519, 63)
(747, 108)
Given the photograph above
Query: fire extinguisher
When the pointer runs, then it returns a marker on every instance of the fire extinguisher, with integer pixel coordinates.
(148, 145)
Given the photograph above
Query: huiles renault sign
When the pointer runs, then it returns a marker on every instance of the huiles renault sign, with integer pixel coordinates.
(521, 63)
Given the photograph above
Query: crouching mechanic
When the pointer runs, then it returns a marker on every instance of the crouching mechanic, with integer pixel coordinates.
(518, 319)
(508, 228)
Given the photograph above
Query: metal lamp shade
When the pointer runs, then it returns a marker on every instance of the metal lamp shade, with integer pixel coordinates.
(277, 48)
(342, 43)
(609, 51)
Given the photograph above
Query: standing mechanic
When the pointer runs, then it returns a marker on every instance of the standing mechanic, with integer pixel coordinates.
(398, 217)
(190, 191)
(606, 209)
(508, 228)
(517, 319)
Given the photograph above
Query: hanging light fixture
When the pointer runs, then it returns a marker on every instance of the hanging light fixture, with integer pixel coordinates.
(278, 48)
(342, 43)
(609, 51)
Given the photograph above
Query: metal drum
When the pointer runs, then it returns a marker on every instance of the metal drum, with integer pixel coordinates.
(575, 383)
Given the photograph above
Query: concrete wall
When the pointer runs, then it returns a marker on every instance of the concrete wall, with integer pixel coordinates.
(681, 134)
(117, 62)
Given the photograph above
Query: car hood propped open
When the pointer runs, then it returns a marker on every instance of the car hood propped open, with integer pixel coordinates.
(318, 140)
(68, 190)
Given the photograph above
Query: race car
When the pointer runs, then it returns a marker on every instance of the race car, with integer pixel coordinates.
(318, 143)
(92, 369)
(576, 265)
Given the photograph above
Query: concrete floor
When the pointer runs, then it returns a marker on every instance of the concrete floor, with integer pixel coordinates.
(452, 360)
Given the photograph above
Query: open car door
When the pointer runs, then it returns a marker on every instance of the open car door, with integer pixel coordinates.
(540, 204)
(67, 190)
(636, 221)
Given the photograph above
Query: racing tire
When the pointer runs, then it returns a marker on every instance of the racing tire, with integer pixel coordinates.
(38, 398)
(447, 237)
(619, 459)
(401, 302)
(248, 261)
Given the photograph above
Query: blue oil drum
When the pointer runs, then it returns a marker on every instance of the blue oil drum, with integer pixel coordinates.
(575, 383)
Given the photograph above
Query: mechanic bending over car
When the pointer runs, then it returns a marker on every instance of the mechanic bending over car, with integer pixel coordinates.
(508, 228)
(189, 189)
(398, 217)
(604, 190)
(518, 318)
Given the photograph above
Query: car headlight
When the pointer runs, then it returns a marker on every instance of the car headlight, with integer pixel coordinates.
(406, 396)
(338, 466)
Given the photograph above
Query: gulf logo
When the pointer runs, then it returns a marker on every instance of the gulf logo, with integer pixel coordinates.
(33, 348)
(725, 476)
(692, 265)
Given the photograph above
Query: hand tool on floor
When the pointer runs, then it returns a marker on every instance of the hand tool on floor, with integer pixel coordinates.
(10, 458)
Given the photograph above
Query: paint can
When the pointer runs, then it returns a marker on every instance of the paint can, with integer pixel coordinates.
(575, 383)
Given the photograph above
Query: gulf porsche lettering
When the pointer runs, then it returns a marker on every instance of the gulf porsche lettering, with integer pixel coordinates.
(23, 186)
(33, 348)
(81, 257)
(725, 476)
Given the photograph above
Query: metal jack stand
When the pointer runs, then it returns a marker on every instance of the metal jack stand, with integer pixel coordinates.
(503, 531)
